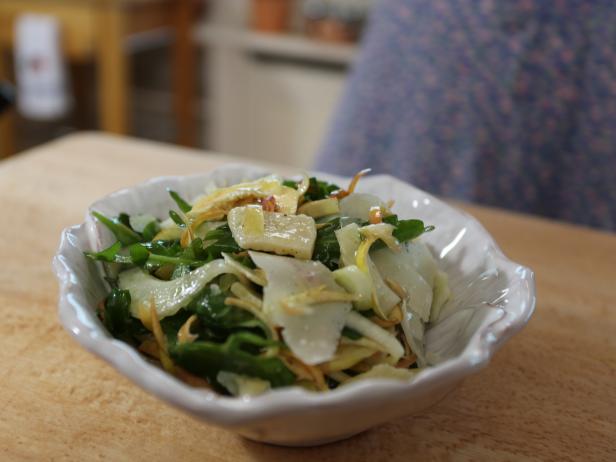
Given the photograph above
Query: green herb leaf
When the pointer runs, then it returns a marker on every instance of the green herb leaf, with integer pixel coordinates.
(206, 359)
(181, 203)
(318, 189)
(122, 232)
(326, 247)
(109, 254)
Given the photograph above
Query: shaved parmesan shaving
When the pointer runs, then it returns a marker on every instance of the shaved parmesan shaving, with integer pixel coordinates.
(222, 200)
(312, 337)
(273, 232)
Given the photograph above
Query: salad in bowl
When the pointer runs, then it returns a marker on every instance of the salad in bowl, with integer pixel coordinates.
(272, 283)
(292, 311)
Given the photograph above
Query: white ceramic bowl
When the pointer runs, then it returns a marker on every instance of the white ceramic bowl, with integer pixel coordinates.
(492, 298)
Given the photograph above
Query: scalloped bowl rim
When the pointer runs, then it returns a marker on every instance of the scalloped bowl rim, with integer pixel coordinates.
(229, 411)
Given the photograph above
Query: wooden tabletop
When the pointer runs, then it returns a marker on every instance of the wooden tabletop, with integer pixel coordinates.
(549, 394)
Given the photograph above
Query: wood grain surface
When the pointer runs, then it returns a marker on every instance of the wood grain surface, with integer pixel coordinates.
(549, 394)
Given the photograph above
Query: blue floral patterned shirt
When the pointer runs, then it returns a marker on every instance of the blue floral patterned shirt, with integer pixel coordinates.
(510, 103)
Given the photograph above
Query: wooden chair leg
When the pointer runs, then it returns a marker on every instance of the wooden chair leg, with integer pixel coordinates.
(7, 119)
(112, 69)
(184, 62)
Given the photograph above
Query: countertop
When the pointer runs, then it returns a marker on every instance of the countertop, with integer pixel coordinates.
(549, 393)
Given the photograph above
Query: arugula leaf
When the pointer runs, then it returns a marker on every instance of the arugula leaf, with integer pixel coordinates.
(150, 231)
(206, 359)
(406, 230)
(195, 251)
(221, 241)
(317, 189)
(150, 254)
(290, 184)
(117, 318)
(211, 308)
(122, 232)
(177, 219)
(326, 247)
(181, 203)
(110, 254)
(139, 254)
(124, 218)
(117, 311)
(351, 333)
(172, 324)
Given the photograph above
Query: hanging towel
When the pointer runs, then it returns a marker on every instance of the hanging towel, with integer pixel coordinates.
(40, 69)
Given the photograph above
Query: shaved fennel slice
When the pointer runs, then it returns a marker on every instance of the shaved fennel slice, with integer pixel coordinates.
(167, 297)
(312, 336)
(422, 259)
(385, 371)
(250, 274)
(358, 205)
(441, 295)
(274, 232)
(399, 267)
(348, 238)
(369, 329)
(414, 330)
(382, 231)
(242, 385)
(320, 208)
(206, 227)
(347, 356)
(384, 299)
(356, 282)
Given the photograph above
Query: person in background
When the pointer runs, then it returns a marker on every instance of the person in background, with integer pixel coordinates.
(510, 103)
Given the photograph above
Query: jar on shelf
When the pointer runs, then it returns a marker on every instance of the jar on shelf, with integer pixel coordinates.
(335, 20)
(271, 15)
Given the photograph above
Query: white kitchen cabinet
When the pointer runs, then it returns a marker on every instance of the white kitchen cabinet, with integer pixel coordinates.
(270, 97)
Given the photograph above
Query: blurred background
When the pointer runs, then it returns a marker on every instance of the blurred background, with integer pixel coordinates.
(255, 78)
(500, 102)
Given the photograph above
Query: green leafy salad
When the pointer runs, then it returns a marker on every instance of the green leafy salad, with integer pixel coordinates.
(272, 283)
